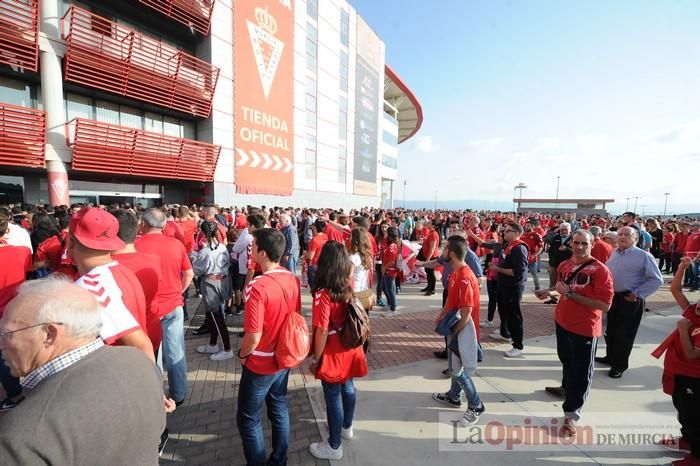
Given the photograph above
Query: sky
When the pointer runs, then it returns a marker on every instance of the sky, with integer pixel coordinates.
(603, 94)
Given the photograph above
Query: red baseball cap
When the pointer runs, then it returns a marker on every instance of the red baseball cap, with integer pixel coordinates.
(96, 229)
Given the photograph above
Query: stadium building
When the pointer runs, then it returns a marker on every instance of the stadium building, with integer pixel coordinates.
(274, 102)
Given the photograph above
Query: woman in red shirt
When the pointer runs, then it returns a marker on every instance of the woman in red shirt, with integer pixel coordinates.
(334, 364)
(389, 268)
(667, 248)
(52, 252)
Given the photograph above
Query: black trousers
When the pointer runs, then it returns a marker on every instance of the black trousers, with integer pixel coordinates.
(509, 299)
(686, 399)
(491, 287)
(577, 354)
(624, 318)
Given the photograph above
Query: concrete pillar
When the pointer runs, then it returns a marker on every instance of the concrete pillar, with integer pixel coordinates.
(50, 53)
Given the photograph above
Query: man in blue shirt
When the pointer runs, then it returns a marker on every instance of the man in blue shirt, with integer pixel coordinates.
(635, 277)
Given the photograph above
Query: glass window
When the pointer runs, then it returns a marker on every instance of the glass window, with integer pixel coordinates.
(389, 138)
(171, 127)
(343, 72)
(107, 112)
(188, 130)
(310, 85)
(310, 103)
(389, 162)
(153, 122)
(312, 8)
(344, 28)
(78, 106)
(310, 162)
(311, 120)
(343, 118)
(15, 92)
(311, 47)
(130, 117)
(342, 162)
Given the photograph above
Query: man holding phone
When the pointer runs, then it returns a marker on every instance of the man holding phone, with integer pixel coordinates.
(635, 277)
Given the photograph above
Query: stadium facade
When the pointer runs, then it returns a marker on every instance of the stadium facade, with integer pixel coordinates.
(274, 102)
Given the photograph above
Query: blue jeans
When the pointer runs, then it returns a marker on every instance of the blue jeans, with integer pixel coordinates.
(340, 409)
(173, 348)
(464, 365)
(290, 264)
(8, 381)
(252, 391)
(390, 291)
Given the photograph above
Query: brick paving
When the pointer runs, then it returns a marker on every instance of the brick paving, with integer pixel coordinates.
(203, 430)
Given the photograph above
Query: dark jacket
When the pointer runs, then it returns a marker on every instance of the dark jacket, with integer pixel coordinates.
(515, 260)
(556, 256)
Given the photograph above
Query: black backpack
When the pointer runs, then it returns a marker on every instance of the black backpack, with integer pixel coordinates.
(356, 329)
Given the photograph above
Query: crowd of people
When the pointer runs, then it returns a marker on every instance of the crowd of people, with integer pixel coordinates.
(100, 292)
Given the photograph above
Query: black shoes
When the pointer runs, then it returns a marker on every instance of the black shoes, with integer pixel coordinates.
(556, 391)
(424, 289)
(203, 330)
(163, 441)
(429, 293)
(440, 354)
(615, 373)
(551, 301)
(603, 360)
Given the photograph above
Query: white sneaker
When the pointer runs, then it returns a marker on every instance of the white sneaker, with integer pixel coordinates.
(208, 349)
(513, 353)
(487, 324)
(323, 450)
(347, 433)
(221, 356)
(469, 418)
(497, 335)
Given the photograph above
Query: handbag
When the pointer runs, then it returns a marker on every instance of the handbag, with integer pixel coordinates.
(449, 320)
(367, 298)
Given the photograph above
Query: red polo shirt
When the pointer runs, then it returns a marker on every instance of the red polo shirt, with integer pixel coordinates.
(534, 244)
(431, 242)
(16, 263)
(601, 250)
(54, 252)
(463, 291)
(174, 230)
(173, 261)
(189, 230)
(692, 246)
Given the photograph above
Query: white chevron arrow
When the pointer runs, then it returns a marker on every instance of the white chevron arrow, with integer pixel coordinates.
(256, 159)
(288, 165)
(268, 161)
(278, 163)
(243, 157)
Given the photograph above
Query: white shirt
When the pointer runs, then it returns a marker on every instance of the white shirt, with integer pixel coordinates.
(360, 277)
(18, 236)
(241, 249)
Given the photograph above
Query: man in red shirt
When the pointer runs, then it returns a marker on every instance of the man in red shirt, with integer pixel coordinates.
(430, 250)
(585, 287)
(52, 252)
(463, 295)
(601, 250)
(17, 263)
(333, 233)
(270, 298)
(177, 275)
(91, 239)
(147, 269)
(535, 246)
(314, 252)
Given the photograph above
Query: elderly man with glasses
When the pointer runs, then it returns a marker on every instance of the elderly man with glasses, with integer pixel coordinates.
(86, 403)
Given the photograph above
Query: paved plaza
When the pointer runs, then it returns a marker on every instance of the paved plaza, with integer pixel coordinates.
(397, 422)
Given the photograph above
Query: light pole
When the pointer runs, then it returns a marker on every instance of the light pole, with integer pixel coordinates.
(666, 203)
(627, 205)
(404, 194)
(635, 204)
(435, 201)
(558, 189)
(519, 186)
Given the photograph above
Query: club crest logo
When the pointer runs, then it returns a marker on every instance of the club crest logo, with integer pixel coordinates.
(267, 48)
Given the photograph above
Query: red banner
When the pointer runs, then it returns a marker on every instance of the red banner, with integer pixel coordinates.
(263, 35)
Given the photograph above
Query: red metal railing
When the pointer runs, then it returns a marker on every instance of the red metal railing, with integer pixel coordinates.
(107, 56)
(22, 136)
(193, 13)
(106, 148)
(19, 33)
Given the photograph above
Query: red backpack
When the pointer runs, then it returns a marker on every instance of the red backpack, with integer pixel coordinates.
(294, 342)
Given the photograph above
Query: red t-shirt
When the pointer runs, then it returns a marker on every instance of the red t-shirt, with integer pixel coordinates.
(334, 235)
(327, 314)
(16, 262)
(221, 232)
(540, 231)
(431, 242)
(601, 250)
(389, 255)
(173, 261)
(593, 281)
(174, 230)
(147, 269)
(241, 222)
(189, 229)
(679, 243)
(534, 244)
(692, 246)
(463, 291)
(315, 246)
(667, 241)
(54, 252)
(269, 299)
(121, 300)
